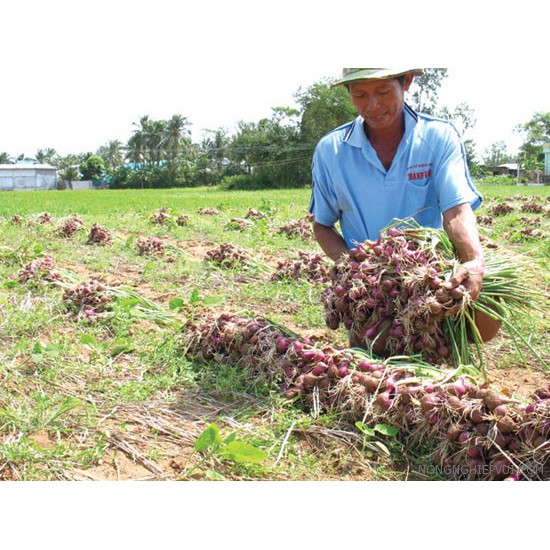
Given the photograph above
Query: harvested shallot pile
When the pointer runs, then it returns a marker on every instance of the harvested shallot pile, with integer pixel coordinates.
(393, 289)
(89, 299)
(532, 207)
(161, 217)
(526, 233)
(529, 221)
(309, 266)
(298, 228)
(501, 209)
(228, 255)
(44, 218)
(255, 214)
(99, 235)
(208, 211)
(150, 246)
(237, 224)
(485, 220)
(472, 430)
(40, 270)
(69, 227)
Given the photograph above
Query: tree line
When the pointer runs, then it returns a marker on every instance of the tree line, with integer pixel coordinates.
(274, 152)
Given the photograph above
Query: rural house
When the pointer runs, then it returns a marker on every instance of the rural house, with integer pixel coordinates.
(504, 170)
(26, 177)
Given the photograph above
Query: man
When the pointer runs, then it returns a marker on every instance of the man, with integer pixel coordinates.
(392, 163)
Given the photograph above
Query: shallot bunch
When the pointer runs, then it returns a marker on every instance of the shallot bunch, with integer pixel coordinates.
(150, 246)
(40, 269)
(228, 255)
(69, 227)
(531, 222)
(44, 218)
(160, 217)
(207, 211)
(394, 286)
(99, 235)
(532, 207)
(88, 299)
(524, 233)
(501, 209)
(269, 351)
(298, 228)
(237, 224)
(474, 431)
(183, 220)
(256, 214)
(308, 266)
(485, 220)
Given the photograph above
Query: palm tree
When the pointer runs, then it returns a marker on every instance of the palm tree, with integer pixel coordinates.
(176, 135)
(215, 148)
(68, 174)
(154, 139)
(175, 141)
(46, 156)
(112, 155)
(137, 144)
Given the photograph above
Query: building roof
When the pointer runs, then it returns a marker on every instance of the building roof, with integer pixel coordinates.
(27, 167)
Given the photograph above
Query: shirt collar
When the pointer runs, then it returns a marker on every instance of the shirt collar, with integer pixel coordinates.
(356, 136)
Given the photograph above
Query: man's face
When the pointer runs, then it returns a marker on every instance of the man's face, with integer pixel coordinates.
(380, 102)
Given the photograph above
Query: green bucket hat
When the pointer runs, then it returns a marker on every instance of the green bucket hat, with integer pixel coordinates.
(354, 75)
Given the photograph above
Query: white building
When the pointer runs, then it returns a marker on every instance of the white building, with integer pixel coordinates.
(27, 177)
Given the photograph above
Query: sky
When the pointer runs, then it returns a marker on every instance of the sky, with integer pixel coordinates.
(77, 75)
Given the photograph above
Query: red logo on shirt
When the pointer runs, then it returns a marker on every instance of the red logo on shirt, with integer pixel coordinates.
(424, 172)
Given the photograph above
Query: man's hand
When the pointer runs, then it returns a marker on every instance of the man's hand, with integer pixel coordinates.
(460, 224)
(470, 276)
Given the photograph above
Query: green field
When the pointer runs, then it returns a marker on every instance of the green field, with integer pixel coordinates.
(117, 398)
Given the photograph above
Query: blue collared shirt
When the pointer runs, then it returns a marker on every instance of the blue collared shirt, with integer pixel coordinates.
(428, 175)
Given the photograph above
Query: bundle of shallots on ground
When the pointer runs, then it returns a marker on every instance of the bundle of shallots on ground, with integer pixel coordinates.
(392, 288)
(466, 430)
(309, 266)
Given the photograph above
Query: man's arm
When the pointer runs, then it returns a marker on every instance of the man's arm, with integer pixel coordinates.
(331, 242)
(460, 224)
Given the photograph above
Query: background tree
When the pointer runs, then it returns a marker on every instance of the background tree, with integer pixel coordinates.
(176, 147)
(176, 136)
(23, 158)
(323, 108)
(137, 144)
(463, 118)
(496, 154)
(92, 168)
(5, 158)
(213, 153)
(68, 169)
(536, 133)
(270, 151)
(47, 156)
(112, 154)
(424, 92)
(154, 137)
